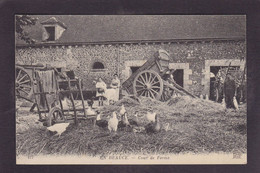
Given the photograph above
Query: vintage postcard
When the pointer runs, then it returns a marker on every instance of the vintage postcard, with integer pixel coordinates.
(130, 89)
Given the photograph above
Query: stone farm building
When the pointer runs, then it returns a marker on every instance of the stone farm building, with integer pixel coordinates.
(196, 46)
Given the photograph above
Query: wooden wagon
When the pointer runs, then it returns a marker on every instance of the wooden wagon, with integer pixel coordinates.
(46, 87)
(153, 79)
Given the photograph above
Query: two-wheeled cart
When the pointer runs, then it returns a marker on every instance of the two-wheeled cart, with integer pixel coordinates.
(52, 92)
(153, 79)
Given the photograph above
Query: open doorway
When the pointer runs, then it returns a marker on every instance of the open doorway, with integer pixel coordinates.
(178, 75)
(216, 84)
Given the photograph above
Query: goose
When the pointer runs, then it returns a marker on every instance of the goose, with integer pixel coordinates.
(113, 123)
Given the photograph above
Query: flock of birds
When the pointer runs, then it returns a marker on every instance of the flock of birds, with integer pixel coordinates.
(119, 121)
(123, 123)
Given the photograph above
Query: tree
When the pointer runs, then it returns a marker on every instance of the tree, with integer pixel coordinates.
(22, 21)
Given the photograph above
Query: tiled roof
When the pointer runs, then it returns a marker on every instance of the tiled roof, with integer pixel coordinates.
(93, 28)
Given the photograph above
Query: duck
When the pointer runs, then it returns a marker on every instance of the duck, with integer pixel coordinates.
(101, 123)
(113, 123)
(153, 127)
(134, 120)
(151, 116)
(59, 128)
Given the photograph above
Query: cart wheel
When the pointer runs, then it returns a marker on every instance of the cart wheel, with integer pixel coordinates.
(55, 115)
(148, 84)
(23, 83)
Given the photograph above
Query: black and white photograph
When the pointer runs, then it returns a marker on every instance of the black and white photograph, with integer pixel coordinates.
(130, 89)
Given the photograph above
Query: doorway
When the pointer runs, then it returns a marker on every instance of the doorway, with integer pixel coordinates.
(178, 75)
(216, 84)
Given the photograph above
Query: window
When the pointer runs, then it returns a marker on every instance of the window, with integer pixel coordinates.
(51, 33)
(98, 66)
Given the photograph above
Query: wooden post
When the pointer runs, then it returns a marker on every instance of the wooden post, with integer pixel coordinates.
(73, 104)
(38, 108)
(81, 95)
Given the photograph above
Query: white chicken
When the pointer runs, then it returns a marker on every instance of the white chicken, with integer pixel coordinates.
(65, 103)
(59, 128)
(113, 123)
(151, 116)
(90, 111)
(235, 103)
(122, 110)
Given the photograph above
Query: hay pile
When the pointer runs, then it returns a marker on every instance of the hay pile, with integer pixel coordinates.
(194, 126)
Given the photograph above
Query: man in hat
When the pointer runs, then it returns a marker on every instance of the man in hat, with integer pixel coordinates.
(229, 90)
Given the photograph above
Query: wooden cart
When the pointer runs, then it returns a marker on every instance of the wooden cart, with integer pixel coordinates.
(152, 79)
(30, 86)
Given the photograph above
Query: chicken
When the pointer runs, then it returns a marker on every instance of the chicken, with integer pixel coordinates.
(151, 116)
(90, 111)
(65, 103)
(45, 123)
(235, 103)
(59, 128)
(138, 129)
(123, 123)
(122, 110)
(134, 121)
(113, 123)
(101, 123)
(166, 127)
(153, 127)
(90, 101)
(223, 103)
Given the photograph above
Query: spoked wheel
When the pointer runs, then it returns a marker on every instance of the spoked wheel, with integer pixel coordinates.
(55, 116)
(148, 84)
(23, 83)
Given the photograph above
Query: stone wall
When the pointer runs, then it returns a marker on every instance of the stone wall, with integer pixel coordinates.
(117, 58)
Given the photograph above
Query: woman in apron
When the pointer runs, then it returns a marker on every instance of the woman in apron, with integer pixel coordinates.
(115, 84)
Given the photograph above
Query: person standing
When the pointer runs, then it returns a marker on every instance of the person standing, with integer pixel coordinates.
(101, 89)
(229, 91)
(115, 84)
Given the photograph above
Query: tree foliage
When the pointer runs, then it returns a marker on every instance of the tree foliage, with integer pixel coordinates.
(21, 21)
